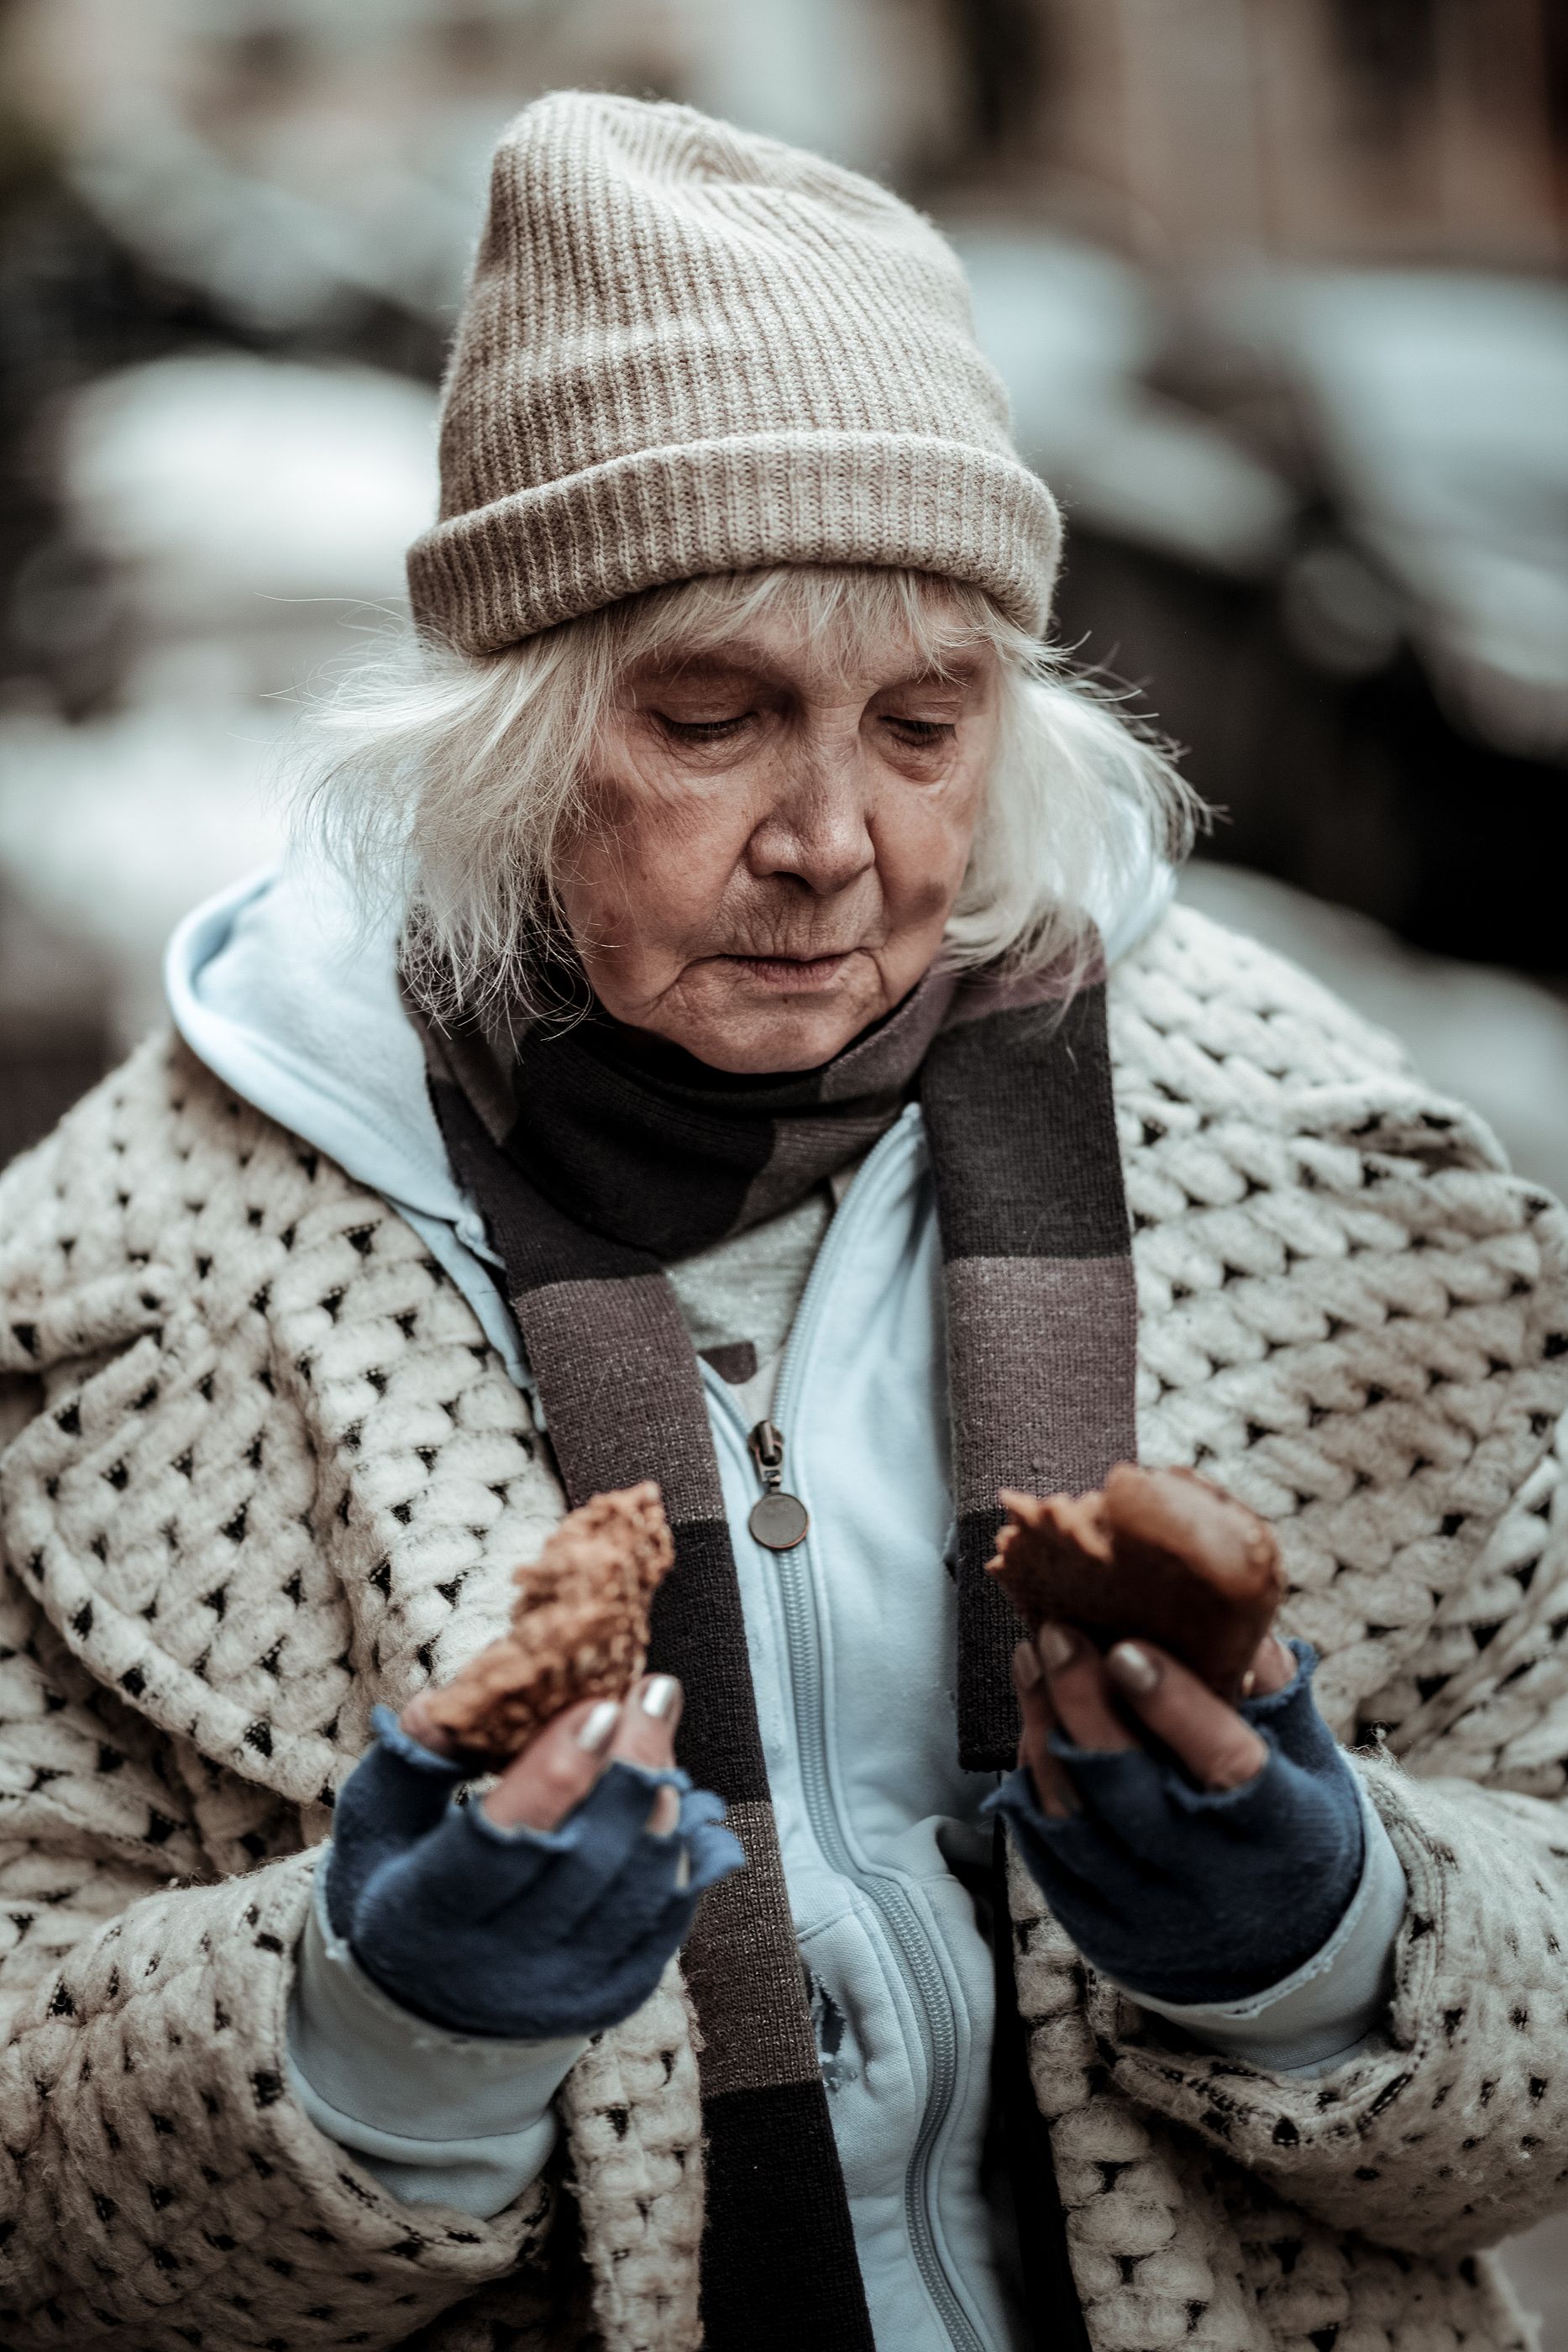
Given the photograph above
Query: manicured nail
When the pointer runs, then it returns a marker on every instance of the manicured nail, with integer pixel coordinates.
(1026, 1667)
(660, 1696)
(1056, 1647)
(599, 1729)
(1132, 1668)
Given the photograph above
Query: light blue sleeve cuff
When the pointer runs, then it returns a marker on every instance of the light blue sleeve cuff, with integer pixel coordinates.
(1327, 2010)
(440, 2119)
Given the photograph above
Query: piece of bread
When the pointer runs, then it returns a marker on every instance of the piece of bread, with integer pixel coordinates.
(580, 1627)
(1156, 1553)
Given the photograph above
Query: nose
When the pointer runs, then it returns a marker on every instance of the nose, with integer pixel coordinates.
(817, 826)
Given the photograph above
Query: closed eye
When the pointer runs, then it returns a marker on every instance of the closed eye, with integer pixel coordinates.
(920, 730)
(702, 730)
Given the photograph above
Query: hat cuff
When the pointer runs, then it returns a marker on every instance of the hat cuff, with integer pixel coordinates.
(488, 578)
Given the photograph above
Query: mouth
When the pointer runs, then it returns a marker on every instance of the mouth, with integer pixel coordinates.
(789, 974)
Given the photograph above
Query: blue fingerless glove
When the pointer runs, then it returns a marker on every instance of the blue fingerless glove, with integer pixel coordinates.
(1189, 1895)
(526, 1935)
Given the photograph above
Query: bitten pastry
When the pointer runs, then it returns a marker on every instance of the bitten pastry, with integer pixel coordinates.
(580, 1627)
(1156, 1553)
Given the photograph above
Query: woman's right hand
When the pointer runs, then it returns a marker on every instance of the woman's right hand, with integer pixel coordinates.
(552, 1908)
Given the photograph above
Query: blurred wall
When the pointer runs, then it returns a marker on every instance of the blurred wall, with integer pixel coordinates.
(1358, 130)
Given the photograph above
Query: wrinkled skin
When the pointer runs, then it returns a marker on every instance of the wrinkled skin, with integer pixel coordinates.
(776, 840)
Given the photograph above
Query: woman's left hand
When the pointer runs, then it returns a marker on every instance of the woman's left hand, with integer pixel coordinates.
(1195, 1851)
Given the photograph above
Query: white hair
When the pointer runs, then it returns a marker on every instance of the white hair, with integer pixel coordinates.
(456, 781)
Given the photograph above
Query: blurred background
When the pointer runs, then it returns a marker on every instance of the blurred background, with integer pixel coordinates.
(1277, 286)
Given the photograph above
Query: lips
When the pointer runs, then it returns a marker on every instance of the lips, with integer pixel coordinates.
(785, 955)
(800, 965)
(797, 972)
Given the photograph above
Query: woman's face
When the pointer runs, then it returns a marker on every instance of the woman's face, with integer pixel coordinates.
(775, 841)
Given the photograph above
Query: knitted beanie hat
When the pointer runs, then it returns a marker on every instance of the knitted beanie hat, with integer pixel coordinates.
(686, 350)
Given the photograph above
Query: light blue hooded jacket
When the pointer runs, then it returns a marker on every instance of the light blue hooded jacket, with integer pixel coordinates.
(280, 990)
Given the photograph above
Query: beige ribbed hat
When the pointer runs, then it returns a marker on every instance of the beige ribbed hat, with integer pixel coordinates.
(685, 350)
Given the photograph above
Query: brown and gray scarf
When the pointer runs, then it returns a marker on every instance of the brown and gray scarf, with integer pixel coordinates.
(596, 1158)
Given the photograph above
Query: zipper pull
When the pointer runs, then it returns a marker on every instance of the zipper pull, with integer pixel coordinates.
(780, 1520)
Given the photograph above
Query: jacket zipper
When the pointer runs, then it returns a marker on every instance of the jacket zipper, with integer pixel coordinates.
(910, 1946)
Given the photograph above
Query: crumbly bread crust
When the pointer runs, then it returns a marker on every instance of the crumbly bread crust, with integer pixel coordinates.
(578, 1629)
(1160, 1553)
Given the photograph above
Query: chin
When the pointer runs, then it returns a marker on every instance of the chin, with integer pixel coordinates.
(777, 1038)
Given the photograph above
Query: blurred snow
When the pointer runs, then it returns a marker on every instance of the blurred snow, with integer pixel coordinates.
(274, 256)
(224, 479)
(869, 82)
(112, 830)
(250, 515)
(1441, 398)
(1070, 329)
(1495, 1040)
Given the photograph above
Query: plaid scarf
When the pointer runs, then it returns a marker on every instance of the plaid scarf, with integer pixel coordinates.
(595, 1159)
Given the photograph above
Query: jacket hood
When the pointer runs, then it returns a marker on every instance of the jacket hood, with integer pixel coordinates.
(281, 986)
(289, 995)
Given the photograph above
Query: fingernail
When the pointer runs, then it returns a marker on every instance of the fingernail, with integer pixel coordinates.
(660, 1696)
(599, 1729)
(1132, 1668)
(1056, 1647)
(1026, 1667)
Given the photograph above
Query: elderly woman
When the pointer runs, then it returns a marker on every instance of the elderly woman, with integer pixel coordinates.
(741, 1038)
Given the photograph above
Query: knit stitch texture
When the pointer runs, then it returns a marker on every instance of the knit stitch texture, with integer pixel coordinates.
(263, 1471)
(685, 349)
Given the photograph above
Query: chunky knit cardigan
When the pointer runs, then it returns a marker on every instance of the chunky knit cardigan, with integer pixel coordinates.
(262, 1470)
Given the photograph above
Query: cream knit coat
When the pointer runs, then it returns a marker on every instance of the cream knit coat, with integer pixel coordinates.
(263, 1470)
